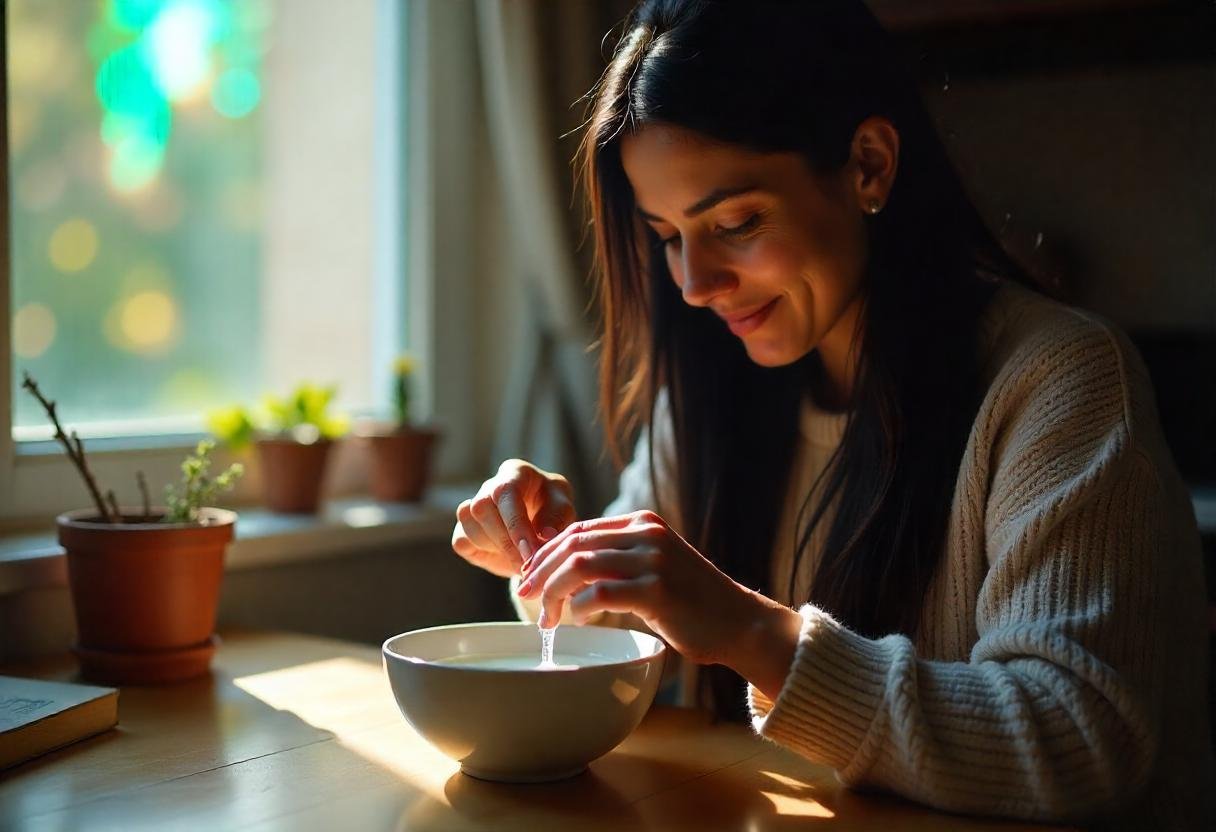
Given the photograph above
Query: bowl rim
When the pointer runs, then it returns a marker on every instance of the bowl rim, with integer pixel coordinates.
(661, 652)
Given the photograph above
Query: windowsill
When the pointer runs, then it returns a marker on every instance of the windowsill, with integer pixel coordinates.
(263, 538)
(344, 526)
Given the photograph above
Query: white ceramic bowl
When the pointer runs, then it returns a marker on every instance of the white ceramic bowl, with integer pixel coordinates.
(526, 725)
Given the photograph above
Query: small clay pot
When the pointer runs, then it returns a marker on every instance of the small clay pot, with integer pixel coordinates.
(145, 593)
(400, 463)
(293, 474)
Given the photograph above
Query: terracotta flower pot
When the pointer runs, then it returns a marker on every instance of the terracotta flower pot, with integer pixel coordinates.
(293, 474)
(400, 468)
(145, 594)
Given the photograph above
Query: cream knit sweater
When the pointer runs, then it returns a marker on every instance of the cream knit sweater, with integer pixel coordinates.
(1059, 668)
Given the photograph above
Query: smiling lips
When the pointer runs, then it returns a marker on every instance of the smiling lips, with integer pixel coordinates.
(749, 322)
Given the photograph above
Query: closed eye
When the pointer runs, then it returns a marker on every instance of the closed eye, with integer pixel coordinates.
(741, 229)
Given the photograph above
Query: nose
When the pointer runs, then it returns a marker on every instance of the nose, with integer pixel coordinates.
(703, 277)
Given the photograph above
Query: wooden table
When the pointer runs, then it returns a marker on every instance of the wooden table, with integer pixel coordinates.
(295, 732)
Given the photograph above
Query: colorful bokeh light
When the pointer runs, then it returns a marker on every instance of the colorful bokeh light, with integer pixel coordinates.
(33, 330)
(73, 246)
(177, 46)
(145, 322)
(135, 125)
(149, 320)
(236, 93)
(155, 56)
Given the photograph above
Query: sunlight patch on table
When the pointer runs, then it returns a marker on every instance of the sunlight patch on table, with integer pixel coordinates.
(795, 800)
(332, 695)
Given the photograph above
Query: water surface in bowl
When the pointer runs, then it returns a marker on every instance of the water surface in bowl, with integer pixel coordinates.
(522, 661)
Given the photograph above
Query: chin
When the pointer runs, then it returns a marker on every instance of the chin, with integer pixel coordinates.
(772, 355)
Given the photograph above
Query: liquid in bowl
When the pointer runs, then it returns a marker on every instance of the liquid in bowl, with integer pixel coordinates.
(521, 661)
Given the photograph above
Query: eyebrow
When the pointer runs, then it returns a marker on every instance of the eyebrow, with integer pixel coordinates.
(705, 203)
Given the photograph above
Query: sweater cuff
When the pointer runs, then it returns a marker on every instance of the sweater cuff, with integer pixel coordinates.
(831, 697)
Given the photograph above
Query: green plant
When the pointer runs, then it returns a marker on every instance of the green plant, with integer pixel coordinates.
(183, 507)
(403, 372)
(233, 426)
(197, 489)
(303, 415)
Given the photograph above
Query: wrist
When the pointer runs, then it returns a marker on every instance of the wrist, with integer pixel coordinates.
(765, 650)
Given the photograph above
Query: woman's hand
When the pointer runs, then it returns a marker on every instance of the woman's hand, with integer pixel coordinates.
(636, 563)
(511, 515)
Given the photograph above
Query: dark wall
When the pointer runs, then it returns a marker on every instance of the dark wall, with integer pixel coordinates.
(1088, 141)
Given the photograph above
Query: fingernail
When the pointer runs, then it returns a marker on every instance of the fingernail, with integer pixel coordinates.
(548, 532)
(543, 621)
(525, 550)
(524, 589)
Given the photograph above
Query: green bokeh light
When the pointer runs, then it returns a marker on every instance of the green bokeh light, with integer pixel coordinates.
(178, 43)
(236, 93)
(126, 87)
(132, 15)
(153, 175)
(136, 162)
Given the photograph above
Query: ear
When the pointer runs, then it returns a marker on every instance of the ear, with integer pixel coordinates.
(874, 160)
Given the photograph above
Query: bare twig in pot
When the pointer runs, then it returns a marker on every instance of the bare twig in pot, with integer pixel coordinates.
(75, 452)
(143, 493)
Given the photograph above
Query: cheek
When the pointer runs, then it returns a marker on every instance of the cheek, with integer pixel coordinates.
(675, 267)
(773, 263)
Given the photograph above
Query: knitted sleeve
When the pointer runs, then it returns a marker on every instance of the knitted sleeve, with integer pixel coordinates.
(1054, 716)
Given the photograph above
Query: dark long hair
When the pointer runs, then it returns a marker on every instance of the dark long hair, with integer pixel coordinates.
(795, 77)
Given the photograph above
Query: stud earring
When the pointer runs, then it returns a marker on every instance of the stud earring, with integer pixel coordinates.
(874, 207)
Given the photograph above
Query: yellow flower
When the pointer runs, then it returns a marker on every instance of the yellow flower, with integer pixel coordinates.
(404, 365)
(232, 425)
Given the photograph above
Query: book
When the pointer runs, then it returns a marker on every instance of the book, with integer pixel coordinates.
(37, 716)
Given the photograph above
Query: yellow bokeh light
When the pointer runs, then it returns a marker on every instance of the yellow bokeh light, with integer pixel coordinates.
(33, 330)
(147, 321)
(73, 245)
(143, 277)
(190, 389)
(33, 56)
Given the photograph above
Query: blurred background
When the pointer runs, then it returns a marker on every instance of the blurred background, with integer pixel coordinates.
(215, 199)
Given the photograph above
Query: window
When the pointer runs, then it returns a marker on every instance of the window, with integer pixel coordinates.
(136, 164)
(205, 205)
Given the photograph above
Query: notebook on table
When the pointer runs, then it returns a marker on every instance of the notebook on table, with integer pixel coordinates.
(38, 716)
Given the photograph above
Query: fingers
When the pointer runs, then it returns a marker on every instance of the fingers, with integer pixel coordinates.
(555, 512)
(471, 527)
(498, 528)
(637, 595)
(619, 532)
(492, 560)
(581, 569)
(514, 519)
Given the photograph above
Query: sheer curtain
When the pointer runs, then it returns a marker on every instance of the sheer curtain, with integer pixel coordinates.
(537, 61)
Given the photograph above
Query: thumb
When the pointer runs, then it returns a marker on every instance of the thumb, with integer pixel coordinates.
(552, 516)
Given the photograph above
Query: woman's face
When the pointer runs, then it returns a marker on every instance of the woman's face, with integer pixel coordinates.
(774, 249)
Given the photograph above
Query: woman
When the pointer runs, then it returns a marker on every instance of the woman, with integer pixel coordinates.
(927, 514)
